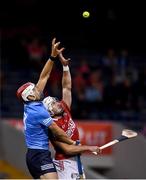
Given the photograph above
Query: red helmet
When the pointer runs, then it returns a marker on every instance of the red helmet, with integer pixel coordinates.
(25, 90)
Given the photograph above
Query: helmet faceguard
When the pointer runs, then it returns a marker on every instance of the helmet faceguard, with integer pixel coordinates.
(48, 101)
(25, 90)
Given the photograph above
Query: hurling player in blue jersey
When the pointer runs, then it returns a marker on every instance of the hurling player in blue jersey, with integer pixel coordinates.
(37, 121)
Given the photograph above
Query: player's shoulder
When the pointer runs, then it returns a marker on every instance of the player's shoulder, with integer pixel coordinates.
(65, 105)
(36, 108)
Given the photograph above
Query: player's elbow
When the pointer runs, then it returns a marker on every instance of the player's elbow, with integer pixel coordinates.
(67, 88)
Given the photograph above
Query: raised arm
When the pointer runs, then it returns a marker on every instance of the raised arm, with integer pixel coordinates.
(66, 81)
(45, 74)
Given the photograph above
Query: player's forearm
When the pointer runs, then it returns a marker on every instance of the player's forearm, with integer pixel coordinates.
(47, 69)
(59, 134)
(74, 150)
(66, 79)
(44, 76)
(65, 139)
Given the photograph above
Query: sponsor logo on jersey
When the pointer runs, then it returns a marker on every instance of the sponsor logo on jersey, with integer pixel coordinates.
(71, 128)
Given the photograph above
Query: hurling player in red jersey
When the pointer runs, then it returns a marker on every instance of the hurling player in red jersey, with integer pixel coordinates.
(66, 155)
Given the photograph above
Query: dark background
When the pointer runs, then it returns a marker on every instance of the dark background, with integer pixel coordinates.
(111, 24)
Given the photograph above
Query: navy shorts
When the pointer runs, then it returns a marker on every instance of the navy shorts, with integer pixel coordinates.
(39, 162)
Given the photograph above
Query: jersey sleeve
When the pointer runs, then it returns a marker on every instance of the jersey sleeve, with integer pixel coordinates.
(45, 118)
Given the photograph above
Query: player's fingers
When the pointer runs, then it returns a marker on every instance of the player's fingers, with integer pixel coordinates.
(60, 55)
(99, 150)
(61, 50)
(53, 41)
(56, 44)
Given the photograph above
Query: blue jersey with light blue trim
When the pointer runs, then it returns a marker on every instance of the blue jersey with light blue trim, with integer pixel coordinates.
(36, 121)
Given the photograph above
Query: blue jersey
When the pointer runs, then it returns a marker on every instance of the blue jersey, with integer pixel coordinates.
(36, 121)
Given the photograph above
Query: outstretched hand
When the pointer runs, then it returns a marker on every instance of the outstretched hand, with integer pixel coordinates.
(55, 48)
(95, 149)
(63, 60)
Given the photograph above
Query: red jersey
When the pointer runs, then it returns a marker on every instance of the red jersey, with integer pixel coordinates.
(68, 125)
